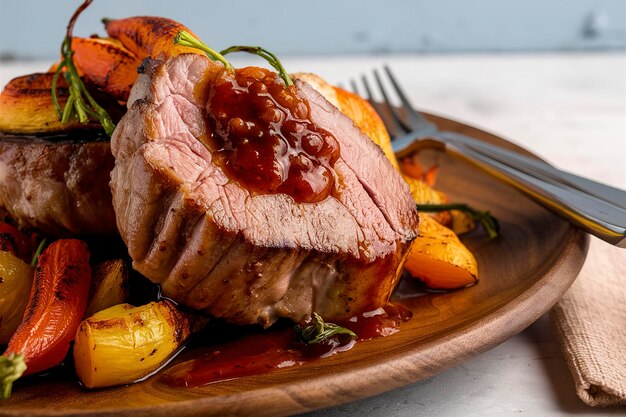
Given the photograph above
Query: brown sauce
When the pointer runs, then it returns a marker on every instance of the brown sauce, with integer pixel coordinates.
(262, 352)
(264, 137)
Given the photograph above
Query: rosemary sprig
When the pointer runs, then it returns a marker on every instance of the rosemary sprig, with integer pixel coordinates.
(265, 54)
(184, 38)
(319, 331)
(80, 103)
(489, 223)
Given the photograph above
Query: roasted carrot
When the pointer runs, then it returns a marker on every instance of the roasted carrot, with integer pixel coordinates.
(107, 65)
(411, 167)
(14, 241)
(148, 36)
(58, 299)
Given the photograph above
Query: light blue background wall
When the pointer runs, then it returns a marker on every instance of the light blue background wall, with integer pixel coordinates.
(34, 28)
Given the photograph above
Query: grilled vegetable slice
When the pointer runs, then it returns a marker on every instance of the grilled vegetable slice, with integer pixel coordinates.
(109, 286)
(424, 194)
(27, 106)
(439, 259)
(123, 344)
(107, 65)
(16, 278)
(58, 299)
(148, 35)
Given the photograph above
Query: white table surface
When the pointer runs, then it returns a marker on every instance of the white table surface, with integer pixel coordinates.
(569, 109)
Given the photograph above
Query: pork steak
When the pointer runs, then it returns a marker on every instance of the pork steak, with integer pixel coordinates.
(213, 245)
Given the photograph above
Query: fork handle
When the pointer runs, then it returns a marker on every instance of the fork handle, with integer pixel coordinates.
(596, 216)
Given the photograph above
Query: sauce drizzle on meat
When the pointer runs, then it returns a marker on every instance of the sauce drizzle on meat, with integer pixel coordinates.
(265, 138)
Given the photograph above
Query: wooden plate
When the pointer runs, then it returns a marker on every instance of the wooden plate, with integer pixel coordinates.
(523, 274)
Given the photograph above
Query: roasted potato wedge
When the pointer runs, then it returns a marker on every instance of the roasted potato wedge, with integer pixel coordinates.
(27, 107)
(424, 194)
(461, 222)
(15, 283)
(109, 286)
(439, 259)
(123, 343)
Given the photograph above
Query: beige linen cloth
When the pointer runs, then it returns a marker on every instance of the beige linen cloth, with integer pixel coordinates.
(591, 321)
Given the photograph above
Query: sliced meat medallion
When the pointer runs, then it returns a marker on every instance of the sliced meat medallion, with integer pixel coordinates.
(237, 247)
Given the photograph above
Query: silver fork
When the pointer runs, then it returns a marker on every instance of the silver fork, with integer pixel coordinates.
(597, 208)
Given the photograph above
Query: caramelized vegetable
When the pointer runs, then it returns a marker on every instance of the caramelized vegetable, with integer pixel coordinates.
(109, 286)
(148, 36)
(462, 222)
(16, 278)
(424, 194)
(27, 106)
(107, 65)
(58, 299)
(439, 259)
(123, 343)
(411, 166)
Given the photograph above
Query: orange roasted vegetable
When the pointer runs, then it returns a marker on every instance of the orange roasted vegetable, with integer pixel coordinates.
(58, 299)
(107, 65)
(413, 168)
(424, 194)
(17, 279)
(148, 36)
(439, 259)
(26, 104)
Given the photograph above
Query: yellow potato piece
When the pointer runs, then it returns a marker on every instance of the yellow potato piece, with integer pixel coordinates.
(123, 343)
(439, 259)
(16, 279)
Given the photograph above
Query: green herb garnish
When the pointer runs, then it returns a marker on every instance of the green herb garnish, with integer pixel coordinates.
(79, 104)
(265, 54)
(184, 38)
(489, 223)
(319, 330)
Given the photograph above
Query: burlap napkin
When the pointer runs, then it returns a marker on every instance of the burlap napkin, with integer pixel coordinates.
(591, 320)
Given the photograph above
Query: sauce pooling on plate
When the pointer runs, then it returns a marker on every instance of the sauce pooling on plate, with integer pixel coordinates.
(262, 352)
(265, 139)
